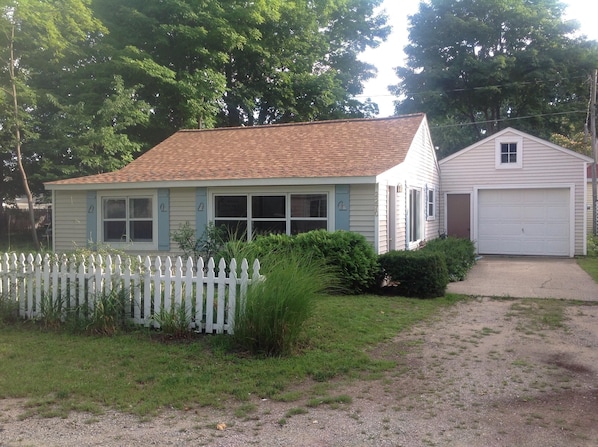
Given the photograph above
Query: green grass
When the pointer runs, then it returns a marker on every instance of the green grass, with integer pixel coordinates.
(60, 371)
(590, 265)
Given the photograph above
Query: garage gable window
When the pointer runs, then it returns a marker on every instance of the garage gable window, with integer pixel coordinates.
(509, 153)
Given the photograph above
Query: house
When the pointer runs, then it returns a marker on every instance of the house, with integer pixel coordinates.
(377, 177)
(515, 194)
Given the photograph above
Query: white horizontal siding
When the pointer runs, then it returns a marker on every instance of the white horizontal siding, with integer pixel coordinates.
(70, 220)
(422, 172)
(363, 211)
(182, 210)
(542, 165)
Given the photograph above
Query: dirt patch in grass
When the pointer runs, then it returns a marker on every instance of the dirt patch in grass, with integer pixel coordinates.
(486, 373)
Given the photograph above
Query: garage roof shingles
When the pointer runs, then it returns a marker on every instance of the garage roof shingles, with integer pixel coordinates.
(339, 148)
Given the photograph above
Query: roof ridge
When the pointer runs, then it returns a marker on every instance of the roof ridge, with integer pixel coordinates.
(306, 123)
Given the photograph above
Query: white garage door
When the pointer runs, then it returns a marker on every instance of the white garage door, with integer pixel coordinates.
(524, 222)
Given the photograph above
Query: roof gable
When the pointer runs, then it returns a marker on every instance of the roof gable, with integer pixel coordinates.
(521, 134)
(339, 148)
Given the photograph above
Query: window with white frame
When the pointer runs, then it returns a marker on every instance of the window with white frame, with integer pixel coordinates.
(128, 219)
(509, 153)
(431, 204)
(415, 215)
(273, 213)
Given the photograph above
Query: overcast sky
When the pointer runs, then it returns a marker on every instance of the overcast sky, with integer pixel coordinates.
(390, 54)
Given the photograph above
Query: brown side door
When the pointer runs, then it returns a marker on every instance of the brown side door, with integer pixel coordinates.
(458, 217)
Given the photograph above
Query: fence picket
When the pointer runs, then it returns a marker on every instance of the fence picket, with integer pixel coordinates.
(147, 291)
(210, 298)
(75, 283)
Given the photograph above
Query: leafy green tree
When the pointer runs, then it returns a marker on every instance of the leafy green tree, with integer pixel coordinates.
(36, 35)
(477, 66)
(76, 140)
(301, 64)
(215, 62)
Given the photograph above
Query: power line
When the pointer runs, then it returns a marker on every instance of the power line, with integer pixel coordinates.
(508, 119)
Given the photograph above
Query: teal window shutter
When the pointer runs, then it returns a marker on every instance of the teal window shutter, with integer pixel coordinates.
(92, 218)
(163, 219)
(201, 211)
(342, 195)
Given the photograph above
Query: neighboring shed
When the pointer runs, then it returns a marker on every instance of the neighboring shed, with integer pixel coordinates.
(515, 194)
(377, 177)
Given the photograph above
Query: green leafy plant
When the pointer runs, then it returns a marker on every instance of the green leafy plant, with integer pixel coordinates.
(107, 315)
(270, 319)
(348, 254)
(206, 246)
(459, 254)
(174, 322)
(418, 273)
(9, 311)
(52, 311)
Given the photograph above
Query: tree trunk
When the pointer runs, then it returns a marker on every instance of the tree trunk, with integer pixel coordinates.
(13, 83)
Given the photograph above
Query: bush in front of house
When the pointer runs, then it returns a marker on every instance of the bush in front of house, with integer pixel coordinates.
(420, 274)
(346, 253)
(459, 254)
(270, 320)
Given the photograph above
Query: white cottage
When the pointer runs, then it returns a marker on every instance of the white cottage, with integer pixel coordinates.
(377, 177)
(515, 194)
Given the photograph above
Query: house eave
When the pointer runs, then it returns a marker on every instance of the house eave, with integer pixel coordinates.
(212, 183)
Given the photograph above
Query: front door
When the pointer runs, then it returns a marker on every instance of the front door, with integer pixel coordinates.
(458, 217)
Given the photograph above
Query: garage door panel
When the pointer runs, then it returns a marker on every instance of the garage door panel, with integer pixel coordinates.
(524, 221)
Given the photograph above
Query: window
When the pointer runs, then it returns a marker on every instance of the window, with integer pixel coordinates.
(415, 211)
(431, 204)
(266, 214)
(128, 219)
(509, 153)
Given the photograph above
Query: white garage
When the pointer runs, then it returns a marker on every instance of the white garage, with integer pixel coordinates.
(516, 194)
(525, 221)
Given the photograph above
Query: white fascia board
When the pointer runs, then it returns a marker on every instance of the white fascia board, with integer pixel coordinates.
(214, 183)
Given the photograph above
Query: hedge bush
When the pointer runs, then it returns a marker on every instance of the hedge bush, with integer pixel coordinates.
(420, 274)
(459, 254)
(349, 254)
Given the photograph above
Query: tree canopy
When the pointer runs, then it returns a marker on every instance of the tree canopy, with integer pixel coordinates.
(100, 81)
(478, 66)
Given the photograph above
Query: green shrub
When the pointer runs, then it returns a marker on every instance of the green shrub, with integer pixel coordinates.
(592, 246)
(459, 254)
(211, 241)
(350, 254)
(421, 274)
(271, 318)
(174, 322)
(9, 311)
(108, 314)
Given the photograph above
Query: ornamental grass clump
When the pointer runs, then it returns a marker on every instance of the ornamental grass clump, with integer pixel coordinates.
(270, 320)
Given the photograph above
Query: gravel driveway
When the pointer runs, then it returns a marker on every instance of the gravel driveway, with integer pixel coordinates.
(489, 372)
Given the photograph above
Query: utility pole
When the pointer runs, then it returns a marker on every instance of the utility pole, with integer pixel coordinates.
(594, 150)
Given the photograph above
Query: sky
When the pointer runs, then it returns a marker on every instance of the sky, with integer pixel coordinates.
(390, 54)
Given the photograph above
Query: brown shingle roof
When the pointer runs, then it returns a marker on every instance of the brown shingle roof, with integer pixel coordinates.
(339, 148)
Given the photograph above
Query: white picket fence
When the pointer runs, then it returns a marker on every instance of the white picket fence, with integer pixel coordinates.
(150, 288)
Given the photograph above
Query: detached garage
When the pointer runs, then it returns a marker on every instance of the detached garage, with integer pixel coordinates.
(515, 194)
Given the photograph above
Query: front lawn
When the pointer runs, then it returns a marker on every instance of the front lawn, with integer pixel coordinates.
(138, 373)
(590, 265)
